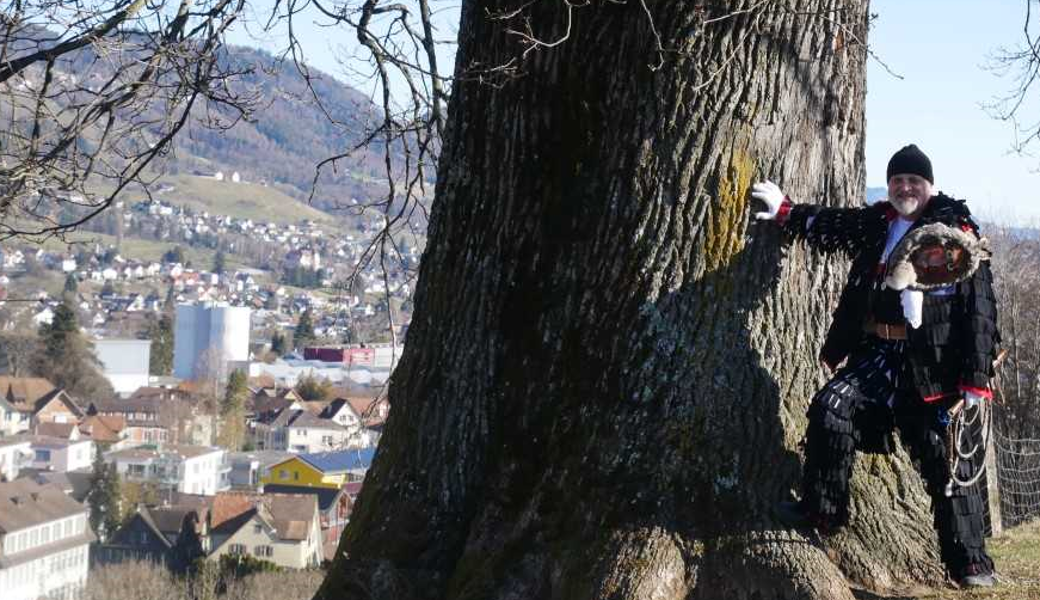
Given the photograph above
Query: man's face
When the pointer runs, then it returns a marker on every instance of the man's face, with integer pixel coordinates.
(909, 194)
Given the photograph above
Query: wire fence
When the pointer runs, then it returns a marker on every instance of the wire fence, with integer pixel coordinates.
(1018, 478)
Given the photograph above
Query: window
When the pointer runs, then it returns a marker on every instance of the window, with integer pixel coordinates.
(296, 475)
(258, 529)
(43, 456)
(237, 549)
(263, 550)
(283, 474)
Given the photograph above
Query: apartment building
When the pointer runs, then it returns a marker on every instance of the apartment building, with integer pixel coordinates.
(201, 470)
(44, 538)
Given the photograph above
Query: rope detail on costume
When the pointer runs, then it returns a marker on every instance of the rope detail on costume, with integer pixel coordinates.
(961, 422)
(960, 425)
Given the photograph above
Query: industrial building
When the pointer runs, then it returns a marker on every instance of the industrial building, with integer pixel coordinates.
(208, 336)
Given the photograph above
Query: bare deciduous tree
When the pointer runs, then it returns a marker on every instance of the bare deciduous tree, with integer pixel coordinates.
(91, 94)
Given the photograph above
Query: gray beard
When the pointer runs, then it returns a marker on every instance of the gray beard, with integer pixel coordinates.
(906, 207)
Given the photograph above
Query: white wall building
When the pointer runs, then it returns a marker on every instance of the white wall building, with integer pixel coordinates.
(215, 327)
(15, 454)
(43, 542)
(201, 470)
(125, 363)
(61, 455)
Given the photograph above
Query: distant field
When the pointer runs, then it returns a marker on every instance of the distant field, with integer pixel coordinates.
(239, 200)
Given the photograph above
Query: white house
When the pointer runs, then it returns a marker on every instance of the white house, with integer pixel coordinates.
(296, 430)
(15, 453)
(60, 455)
(199, 470)
(43, 542)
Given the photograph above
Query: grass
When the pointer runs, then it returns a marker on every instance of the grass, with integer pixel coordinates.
(1017, 555)
(239, 200)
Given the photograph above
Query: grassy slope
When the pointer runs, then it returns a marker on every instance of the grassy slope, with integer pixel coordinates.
(1017, 555)
(239, 200)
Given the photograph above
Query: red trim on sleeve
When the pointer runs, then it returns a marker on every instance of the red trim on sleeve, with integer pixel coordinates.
(968, 228)
(937, 397)
(984, 392)
(784, 211)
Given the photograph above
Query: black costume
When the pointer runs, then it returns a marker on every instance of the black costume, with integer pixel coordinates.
(908, 381)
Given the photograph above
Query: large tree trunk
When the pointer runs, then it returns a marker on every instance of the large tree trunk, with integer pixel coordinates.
(606, 378)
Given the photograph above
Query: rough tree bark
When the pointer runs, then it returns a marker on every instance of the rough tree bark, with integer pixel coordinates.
(607, 373)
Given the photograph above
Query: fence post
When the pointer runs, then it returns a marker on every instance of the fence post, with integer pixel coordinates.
(993, 487)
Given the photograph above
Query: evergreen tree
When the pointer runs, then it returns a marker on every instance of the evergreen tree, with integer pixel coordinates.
(174, 255)
(104, 499)
(71, 284)
(170, 302)
(67, 359)
(187, 550)
(312, 388)
(160, 361)
(304, 332)
(232, 412)
(219, 262)
(278, 343)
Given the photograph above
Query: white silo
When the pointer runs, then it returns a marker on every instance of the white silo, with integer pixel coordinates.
(215, 327)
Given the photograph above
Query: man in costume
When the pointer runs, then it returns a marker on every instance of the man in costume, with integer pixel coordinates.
(912, 356)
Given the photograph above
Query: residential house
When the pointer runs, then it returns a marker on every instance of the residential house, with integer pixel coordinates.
(65, 431)
(248, 467)
(107, 431)
(201, 470)
(44, 539)
(181, 411)
(25, 401)
(284, 529)
(143, 417)
(267, 402)
(334, 507)
(15, 454)
(326, 469)
(138, 539)
(298, 430)
(358, 415)
(154, 533)
(59, 454)
(74, 484)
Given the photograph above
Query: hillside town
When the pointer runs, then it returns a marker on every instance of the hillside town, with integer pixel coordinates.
(239, 411)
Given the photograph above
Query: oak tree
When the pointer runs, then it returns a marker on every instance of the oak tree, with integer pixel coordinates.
(608, 367)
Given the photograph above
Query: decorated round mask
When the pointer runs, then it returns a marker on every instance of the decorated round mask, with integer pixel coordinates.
(934, 256)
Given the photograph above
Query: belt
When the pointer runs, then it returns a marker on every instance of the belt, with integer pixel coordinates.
(885, 331)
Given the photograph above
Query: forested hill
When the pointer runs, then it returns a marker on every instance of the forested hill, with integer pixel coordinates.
(289, 134)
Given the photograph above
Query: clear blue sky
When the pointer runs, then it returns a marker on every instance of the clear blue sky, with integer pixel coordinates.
(939, 47)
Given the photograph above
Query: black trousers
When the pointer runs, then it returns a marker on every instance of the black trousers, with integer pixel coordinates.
(858, 409)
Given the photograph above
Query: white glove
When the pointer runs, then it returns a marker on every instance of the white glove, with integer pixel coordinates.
(913, 306)
(971, 399)
(769, 194)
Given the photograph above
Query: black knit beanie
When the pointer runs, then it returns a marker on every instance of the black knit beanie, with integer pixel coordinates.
(911, 160)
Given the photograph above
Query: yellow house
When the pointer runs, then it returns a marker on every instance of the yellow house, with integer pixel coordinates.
(323, 469)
